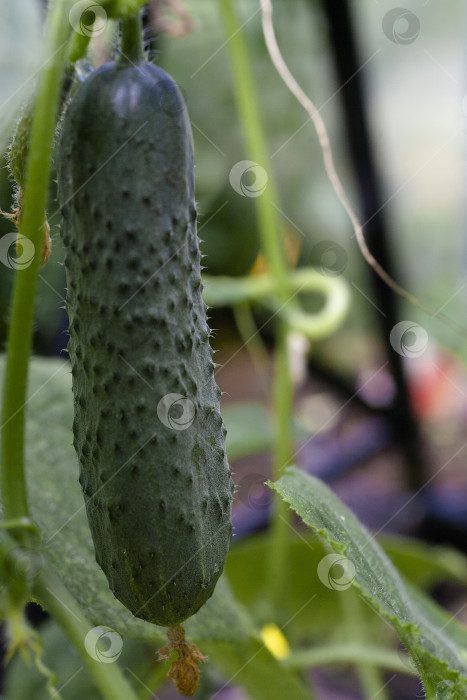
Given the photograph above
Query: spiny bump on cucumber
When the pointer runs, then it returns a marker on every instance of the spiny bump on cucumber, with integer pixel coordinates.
(157, 485)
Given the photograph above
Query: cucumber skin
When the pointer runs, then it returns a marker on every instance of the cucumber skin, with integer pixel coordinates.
(158, 500)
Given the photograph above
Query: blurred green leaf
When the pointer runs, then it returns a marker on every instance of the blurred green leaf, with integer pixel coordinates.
(229, 240)
(249, 429)
(320, 617)
(423, 564)
(20, 57)
(319, 621)
(439, 657)
(253, 667)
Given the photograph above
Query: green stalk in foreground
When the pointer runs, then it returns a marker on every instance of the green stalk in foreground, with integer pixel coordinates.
(56, 599)
(255, 145)
(269, 228)
(35, 198)
(353, 613)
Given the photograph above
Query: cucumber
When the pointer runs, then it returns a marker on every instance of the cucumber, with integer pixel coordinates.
(147, 429)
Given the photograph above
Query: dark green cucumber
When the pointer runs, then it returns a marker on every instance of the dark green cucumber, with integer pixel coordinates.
(157, 486)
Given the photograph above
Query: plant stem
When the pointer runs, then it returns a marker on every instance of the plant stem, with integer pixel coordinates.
(272, 245)
(248, 109)
(55, 598)
(349, 653)
(277, 570)
(131, 43)
(356, 623)
(78, 47)
(22, 310)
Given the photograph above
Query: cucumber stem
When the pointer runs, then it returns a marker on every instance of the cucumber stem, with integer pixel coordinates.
(131, 43)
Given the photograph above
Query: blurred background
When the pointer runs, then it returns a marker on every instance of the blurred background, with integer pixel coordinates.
(381, 414)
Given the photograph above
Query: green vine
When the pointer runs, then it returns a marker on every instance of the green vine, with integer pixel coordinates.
(57, 600)
(34, 202)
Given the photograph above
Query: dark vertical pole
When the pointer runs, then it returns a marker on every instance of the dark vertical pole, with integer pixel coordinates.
(347, 64)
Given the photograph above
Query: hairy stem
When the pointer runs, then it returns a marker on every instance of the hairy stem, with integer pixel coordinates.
(24, 291)
(131, 44)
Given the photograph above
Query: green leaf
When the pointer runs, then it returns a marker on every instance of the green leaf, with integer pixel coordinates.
(250, 429)
(320, 618)
(253, 667)
(438, 656)
(423, 564)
